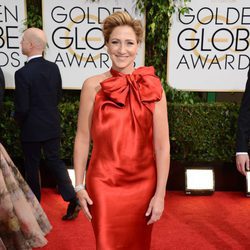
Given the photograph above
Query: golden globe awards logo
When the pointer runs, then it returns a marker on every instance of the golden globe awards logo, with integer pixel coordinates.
(10, 20)
(75, 39)
(78, 36)
(214, 38)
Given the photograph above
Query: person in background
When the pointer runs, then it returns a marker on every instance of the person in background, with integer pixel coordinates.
(243, 131)
(37, 95)
(124, 112)
(23, 223)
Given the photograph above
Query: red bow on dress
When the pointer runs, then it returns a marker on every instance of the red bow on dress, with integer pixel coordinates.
(143, 80)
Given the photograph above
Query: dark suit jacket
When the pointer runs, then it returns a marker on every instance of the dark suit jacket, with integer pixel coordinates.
(2, 87)
(38, 91)
(243, 130)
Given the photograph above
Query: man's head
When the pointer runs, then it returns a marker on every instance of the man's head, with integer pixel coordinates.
(33, 42)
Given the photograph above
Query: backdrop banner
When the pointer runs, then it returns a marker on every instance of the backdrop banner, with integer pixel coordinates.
(12, 17)
(75, 41)
(209, 46)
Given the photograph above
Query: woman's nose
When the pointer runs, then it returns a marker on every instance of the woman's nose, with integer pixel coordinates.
(122, 48)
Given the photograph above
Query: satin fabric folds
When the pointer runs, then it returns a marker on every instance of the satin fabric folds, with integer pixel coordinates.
(121, 176)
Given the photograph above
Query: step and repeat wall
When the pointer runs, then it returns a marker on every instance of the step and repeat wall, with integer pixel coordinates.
(75, 40)
(12, 18)
(73, 30)
(208, 47)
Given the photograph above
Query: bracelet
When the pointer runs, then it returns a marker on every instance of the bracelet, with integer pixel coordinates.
(79, 188)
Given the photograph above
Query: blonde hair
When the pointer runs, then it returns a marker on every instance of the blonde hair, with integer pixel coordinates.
(121, 18)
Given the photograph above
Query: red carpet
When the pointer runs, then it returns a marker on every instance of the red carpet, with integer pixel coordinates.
(220, 221)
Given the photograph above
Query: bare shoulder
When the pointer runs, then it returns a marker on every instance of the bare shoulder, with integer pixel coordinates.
(91, 86)
(93, 83)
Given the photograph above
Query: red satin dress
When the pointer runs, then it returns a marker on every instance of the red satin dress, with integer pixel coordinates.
(121, 177)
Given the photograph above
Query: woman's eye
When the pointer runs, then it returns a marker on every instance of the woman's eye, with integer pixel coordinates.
(114, 42)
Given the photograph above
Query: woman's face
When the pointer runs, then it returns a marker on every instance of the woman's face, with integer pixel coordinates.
(122, 48)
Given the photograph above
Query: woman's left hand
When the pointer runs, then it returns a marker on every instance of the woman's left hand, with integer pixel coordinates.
(155, 209)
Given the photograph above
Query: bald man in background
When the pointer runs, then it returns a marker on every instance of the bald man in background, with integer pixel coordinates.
(37, 95)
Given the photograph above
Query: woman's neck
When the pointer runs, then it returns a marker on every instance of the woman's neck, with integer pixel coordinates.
(127, 70)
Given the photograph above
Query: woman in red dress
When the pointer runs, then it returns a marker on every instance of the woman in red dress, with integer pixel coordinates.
(124, 113)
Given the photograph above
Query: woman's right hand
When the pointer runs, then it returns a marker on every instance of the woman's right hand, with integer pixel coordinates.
(84, 201)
